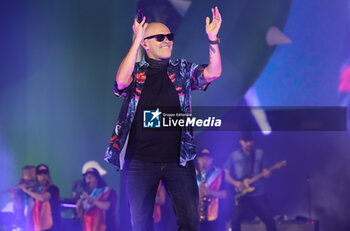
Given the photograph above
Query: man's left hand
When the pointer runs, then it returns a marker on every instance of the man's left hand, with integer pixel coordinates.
(87, 197)
(212, 28)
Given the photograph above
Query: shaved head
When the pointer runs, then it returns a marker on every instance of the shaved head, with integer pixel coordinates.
(157, 50)
(156, 28)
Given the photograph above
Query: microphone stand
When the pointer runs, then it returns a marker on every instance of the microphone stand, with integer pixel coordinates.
(309, 198)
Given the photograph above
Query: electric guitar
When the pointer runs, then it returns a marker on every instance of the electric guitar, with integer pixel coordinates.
(248, 181)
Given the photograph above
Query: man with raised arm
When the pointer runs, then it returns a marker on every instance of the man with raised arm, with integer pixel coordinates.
(151, 155)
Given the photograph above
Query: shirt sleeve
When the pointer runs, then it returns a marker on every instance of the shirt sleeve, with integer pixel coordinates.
(197, 77)
(123, 92)
(228, 164)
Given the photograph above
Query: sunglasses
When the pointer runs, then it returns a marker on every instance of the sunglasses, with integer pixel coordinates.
(161, 37)
(44, 171)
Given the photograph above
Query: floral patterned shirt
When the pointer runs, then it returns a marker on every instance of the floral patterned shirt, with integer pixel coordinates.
(186, 77)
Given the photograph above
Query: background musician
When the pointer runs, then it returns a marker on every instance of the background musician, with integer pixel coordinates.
(45, 214)
(22, 203)
(97, 205)
(247, 162)
(211, 181)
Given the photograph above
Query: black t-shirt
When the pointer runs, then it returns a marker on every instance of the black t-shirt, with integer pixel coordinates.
(155, 144)
(55, 207)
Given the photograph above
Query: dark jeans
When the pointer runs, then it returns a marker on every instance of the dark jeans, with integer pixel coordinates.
(259, 206)
(180, 182)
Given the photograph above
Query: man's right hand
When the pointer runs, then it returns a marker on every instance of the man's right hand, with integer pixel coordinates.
(139, 29)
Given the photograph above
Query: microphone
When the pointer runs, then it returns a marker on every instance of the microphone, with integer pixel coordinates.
(139, 15)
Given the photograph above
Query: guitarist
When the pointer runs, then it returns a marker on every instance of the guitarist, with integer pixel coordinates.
(247, 162)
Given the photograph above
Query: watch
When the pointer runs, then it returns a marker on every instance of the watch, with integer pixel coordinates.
(217, 41)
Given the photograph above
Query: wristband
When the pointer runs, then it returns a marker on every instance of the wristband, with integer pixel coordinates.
(217, 41)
